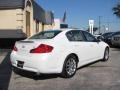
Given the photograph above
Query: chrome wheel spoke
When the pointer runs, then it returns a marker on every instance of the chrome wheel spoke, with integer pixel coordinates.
(71, 66)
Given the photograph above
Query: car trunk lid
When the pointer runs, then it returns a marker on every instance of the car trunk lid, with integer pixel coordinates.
(26, 45)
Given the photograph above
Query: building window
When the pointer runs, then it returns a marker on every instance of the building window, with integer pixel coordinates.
(28, 3)
(37, 26)
(42, 26)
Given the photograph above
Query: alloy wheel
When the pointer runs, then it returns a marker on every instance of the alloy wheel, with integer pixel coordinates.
(71, 66)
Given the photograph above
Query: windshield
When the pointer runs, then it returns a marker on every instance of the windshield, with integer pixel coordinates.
(45, 35)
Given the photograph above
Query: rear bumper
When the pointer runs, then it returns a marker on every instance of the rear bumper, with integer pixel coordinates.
(45, 63)
(26, 68)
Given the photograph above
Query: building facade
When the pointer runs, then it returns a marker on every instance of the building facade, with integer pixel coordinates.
(24, 18)
(59, 24)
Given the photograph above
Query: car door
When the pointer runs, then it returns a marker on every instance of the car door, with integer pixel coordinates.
(77, 44)
(93, 46)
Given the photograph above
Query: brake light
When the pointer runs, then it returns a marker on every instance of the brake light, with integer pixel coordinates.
(15, 48)
(43, 48)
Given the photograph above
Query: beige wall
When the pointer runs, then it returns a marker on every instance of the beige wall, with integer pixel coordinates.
(11, 19)
(56, 24)
(40, 27)
(16, 19)
(34, 27)
(48, 27)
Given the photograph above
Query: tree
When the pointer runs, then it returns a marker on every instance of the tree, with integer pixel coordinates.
(116, 10)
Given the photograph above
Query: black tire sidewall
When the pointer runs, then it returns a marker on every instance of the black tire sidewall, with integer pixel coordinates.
(104, 58)
(64, 72)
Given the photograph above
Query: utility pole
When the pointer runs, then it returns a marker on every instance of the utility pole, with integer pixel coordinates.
(100, 24)
(108, 23)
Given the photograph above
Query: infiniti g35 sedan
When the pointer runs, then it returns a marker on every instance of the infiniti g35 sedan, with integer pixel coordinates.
(58, 51)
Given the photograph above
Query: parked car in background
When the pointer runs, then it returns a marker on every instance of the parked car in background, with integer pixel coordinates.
(106, 37)
(97, 36)
(58, 51)
(115, 40)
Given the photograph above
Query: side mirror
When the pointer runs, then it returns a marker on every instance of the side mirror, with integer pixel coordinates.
(98, 40)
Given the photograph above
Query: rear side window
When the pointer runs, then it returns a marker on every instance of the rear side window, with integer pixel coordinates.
(75, 35)
(45, 35)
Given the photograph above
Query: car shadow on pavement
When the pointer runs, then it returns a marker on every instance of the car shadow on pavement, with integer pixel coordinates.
(5, 72)
(116, 49)
(34, 76)
(93, 65)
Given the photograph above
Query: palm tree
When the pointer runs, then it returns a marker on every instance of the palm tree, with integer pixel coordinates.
(116, 10)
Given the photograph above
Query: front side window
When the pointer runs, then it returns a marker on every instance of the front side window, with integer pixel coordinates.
(74, 35)
(89, 37)
(45, 35)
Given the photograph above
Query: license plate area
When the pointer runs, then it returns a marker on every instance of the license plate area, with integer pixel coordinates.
(20, 64)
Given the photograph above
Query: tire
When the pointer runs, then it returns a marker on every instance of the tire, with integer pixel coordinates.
(106, 54)
(70, 66)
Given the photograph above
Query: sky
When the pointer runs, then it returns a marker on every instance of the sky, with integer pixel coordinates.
(79, 12)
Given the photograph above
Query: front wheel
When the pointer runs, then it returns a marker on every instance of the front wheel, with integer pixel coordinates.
(70, 66)
(106, 55)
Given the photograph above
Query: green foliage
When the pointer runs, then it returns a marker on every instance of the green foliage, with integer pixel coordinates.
(116, 10)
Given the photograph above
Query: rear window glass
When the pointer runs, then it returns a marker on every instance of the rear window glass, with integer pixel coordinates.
(45, 35)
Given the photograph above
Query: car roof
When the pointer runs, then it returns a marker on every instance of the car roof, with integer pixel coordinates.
(64, 29)
(69, 29)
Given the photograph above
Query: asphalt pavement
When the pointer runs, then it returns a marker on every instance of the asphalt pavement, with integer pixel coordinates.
(96, 76)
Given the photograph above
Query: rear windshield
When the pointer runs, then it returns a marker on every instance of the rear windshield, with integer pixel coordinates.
(45, 35)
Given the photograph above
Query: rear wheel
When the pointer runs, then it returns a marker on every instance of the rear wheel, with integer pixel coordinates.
(106, 54)
(70, 66)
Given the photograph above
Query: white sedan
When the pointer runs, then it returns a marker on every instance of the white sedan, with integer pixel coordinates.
(58, 51)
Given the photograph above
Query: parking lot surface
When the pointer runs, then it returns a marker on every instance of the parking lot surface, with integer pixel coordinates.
(96, 76)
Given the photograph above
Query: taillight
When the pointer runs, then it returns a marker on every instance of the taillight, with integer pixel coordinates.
(42, 48)
(15, 48)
